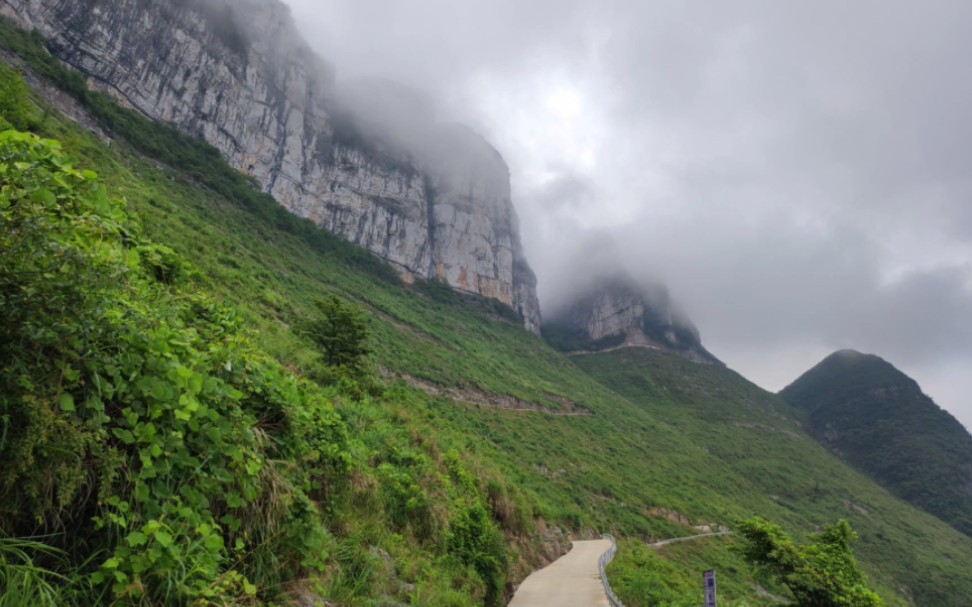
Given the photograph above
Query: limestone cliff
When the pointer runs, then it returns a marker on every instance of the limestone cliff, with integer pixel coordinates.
(618, 312)
(237, 73)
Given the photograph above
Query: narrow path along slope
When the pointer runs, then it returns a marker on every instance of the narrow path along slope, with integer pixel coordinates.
(570, 581)
(676, 540)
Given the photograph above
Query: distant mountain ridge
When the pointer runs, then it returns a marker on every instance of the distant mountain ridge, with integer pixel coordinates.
(877, 419)
(616, 312)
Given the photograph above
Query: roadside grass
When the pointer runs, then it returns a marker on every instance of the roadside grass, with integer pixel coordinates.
(672, 575)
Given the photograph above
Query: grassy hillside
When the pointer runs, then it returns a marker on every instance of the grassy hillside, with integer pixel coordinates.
(672, 575)
(155, 453)
(607, 442)
(754, 438)
(877, 419)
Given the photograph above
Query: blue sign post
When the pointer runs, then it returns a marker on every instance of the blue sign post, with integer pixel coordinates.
(709, 581)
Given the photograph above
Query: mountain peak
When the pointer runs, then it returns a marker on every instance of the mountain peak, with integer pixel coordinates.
(877, 419)
(848, 370)
(618, 312)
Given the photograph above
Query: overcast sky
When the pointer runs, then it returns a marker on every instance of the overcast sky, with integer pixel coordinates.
(798, 172)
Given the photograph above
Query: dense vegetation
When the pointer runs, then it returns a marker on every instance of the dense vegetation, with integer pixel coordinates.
(135, 414)
(878, 420)
(759, 566)
(820, 573)
(155, 454)
(406, 496)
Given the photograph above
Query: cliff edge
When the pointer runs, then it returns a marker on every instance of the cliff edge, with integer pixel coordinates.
(617, 312)
(238, 74)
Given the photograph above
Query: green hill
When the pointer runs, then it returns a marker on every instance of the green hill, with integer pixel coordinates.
(430, 480)
(754, 445)
(877, 419)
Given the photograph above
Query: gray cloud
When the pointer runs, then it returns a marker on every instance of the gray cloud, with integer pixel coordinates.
(796, 172)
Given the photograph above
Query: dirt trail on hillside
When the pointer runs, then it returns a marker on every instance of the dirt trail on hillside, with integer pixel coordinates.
(676, 540)
(570, 581)
(494, 401)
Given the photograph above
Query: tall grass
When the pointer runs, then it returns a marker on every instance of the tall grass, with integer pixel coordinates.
(25, 581)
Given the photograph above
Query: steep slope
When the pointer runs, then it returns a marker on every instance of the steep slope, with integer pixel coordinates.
(877, 419)
(435, 204)
(153, 454)
(757, 451)
(500, 418)
(618, 312)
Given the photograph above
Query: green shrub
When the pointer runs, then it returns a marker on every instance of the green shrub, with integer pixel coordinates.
(137, 413)
(823, 573)
(16, 111)
(476, 542)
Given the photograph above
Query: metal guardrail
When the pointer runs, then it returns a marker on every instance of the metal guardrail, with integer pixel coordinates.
(602, 564)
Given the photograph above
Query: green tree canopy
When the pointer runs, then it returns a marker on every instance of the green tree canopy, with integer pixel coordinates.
(822, 573)
(341, 332)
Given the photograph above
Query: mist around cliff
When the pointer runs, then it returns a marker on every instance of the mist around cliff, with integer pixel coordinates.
(597, 265)
(405, 122)
(795, 173)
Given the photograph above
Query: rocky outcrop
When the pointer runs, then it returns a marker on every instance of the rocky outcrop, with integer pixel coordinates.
(237, 74)
(618, 312)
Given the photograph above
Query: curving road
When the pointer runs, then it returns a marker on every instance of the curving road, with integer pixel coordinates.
(570, 581)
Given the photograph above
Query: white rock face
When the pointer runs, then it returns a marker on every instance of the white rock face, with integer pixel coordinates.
(237, 74)
(613, 313)
(617, 312)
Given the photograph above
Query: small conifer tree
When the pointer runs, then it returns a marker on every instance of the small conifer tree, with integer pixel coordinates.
(340, 330)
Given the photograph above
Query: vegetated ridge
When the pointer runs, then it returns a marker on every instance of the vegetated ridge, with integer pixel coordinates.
(877, 419)
(352, 489)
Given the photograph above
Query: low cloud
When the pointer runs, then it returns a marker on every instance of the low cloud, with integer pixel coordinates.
(796, 173)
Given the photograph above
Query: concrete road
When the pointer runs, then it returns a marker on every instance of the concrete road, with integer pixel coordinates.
(570, 581)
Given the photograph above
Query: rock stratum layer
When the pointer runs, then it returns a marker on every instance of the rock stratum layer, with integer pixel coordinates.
(617, 313)
(430, 198)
